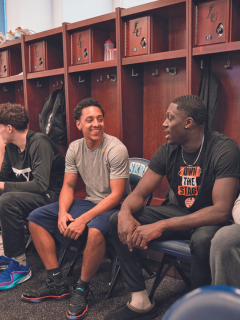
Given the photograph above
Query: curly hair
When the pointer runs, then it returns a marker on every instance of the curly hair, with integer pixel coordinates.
(88, 102)
(14, 114)
(192, 106)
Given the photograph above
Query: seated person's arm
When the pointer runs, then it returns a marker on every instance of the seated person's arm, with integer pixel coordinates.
(65, 200)
(41, 155)
(223, 196)
(6, 173)
(126, 222)
(236, 211)
(76, 228)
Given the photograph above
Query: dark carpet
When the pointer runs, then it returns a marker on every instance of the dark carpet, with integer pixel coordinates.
(13, 308)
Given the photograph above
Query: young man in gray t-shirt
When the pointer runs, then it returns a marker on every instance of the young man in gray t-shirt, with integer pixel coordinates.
(102, 162)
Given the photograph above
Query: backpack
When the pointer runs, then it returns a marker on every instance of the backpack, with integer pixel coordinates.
(52, 119)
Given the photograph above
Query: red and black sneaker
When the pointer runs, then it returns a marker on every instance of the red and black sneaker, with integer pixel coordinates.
(50, 290)
(78, 304)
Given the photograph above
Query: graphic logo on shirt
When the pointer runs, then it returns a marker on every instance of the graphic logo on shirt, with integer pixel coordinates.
(24, 172)
(189, 187)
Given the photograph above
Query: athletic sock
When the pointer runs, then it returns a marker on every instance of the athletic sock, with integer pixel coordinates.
(140, 300)
(22, 260)
(56, 275)
(82, 284)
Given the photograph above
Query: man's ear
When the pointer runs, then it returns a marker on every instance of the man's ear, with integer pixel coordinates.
(9, 128)
(78, 124)
(189, 123)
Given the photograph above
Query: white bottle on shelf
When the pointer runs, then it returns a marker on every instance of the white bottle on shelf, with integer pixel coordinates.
(107, 45)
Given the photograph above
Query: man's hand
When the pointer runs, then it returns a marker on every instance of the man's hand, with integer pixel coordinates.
(76, 228)
(143, 234)
(126, 225)
(2, 186)
(63, 220)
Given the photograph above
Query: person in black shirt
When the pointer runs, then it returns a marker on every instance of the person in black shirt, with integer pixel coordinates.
(31, 176)
(202, 169)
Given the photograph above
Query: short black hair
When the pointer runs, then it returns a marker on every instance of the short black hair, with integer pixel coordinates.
(192, 106)
(88, 102)
(14, 114)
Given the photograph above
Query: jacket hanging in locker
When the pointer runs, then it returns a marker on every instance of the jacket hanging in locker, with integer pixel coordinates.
(209, 93)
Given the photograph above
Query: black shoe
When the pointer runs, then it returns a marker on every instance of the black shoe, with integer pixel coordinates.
(50, 290)
(78, 304)
(128, 312)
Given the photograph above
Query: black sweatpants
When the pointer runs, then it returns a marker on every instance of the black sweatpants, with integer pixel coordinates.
(14, 209)
(200, 240)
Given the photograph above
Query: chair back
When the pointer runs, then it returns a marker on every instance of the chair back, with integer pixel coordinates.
(137, 168)
(208, 303)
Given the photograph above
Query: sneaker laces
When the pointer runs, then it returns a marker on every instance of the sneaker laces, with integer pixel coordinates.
(8, 271)
(79, 296)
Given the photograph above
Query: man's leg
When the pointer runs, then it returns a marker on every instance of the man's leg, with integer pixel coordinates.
(44, 244)
(14, 209)
(95, 249)
(43, 225)
(225, 256)
(130, 263)
(93, 254)
(200, 250)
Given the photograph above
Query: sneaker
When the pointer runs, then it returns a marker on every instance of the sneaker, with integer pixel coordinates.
(9, 35)
(50, 290)
(4, 262)
(19, 31)
(128, 312)
(14, 274)
(78, 304)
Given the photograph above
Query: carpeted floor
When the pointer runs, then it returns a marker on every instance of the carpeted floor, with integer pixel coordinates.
(13, 308)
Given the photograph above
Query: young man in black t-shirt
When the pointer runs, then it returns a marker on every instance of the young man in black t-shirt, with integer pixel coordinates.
(202, 169)
(31, 176)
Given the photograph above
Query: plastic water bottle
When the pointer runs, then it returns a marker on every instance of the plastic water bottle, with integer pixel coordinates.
(107, 45)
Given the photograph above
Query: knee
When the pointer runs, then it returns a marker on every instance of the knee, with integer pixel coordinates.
(226, 240)
(95, 238)
(200, 245)
(6, 201)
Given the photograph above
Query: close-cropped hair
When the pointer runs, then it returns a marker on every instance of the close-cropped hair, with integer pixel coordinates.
(88, 102)
(14, 114)
(192, 106)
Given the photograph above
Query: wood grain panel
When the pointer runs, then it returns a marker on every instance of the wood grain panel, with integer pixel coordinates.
(54, 51)
(210, 15)
(137, 33)
(38, 92)
(132, 109)
(19, 93)
(81, 47)
(37, 56)
(4, 64)
(7, 92)
(77, 91)
(228, 112)
(158, 93)
(15, 60)
(105, 92)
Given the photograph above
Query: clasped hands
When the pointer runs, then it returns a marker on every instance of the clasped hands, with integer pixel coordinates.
(132, 233)
(71, 230)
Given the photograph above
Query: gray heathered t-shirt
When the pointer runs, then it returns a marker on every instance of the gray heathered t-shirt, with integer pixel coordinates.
(96, 167)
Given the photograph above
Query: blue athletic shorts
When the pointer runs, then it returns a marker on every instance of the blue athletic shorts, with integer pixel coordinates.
(47, 217)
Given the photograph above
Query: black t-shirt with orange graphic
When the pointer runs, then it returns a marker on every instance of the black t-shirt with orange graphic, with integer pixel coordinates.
(192, 185)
